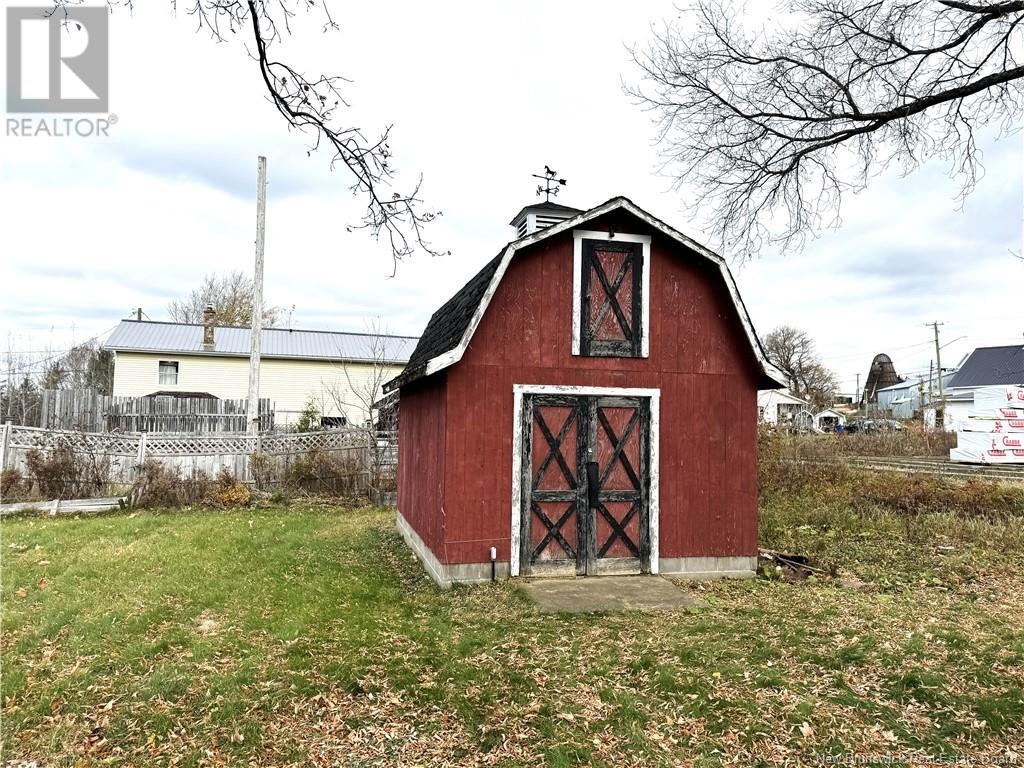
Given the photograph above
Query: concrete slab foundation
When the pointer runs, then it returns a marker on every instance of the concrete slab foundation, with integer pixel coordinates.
(708, 567)
(446, 574)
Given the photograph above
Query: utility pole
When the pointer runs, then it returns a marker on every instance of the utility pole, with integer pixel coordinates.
(856, 394)
(253, 405)
(940, 414)
(138, 314)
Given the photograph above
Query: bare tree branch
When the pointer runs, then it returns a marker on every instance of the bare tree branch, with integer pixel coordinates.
(360, 396)
(794, 352)
(230, 295)
(773, 128)
(310, 104)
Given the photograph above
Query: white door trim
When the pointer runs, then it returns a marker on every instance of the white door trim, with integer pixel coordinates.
(578, 236)
(518, 390)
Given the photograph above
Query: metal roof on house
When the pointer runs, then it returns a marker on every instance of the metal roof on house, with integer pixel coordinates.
(233, 341)
(915, 381)
(991, 366)
(766, 397)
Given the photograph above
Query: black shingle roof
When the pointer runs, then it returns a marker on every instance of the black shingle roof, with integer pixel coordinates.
(447, 325)
(991, 366)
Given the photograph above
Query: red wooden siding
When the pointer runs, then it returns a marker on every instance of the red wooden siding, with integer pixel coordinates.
(421, 459)
(699, 358)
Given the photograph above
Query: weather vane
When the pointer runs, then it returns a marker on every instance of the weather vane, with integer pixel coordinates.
(551, 185)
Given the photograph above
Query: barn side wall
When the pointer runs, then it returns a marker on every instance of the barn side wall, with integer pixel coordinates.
(421, 465)
(699, 358)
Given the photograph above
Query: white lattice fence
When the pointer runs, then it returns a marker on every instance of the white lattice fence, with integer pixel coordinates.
(352, 458)
(199, 445)
(333, 460)
(104, 443)
(109, 457)
(303, 442)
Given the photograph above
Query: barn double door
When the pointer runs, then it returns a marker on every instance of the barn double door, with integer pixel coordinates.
(585, 481)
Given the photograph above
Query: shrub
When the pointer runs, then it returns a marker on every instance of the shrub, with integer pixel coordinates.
(57, 474)
(913, 440)
(319, 471)
(162, 485)
(10, 482)
(917, 494)
(309, 419)
(261, 469)
(158, 485)
(235, 495)
(64, 473)
(779, 469)
(797, 465)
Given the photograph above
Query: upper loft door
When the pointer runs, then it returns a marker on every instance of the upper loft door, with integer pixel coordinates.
(611, 314)
(586, 485)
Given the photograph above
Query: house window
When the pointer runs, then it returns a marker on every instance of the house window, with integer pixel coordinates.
(612, 283)
(168, 372)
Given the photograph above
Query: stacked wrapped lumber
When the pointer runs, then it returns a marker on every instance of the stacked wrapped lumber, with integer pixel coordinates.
(994, 430)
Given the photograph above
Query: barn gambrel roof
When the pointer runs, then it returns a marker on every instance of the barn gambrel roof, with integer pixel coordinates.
(451, 327)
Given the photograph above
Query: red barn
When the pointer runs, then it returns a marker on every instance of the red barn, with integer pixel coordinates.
(585, 404)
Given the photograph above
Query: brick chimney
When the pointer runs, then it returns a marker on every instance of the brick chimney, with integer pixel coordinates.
(209, 317)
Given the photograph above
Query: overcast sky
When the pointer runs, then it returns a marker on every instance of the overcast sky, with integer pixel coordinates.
(480, 97)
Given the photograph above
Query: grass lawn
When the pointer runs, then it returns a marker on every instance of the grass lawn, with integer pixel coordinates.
(309, 636)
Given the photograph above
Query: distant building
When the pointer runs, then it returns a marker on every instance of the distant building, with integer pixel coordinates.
(906, 399)
(882, 374)
(330, 369)
(777, 407)
(828, 420)
(984, 367)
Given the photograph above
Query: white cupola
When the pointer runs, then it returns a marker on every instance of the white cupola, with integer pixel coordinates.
(540, 216)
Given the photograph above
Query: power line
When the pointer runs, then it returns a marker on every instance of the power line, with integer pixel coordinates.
(853, 355)
(35, 364)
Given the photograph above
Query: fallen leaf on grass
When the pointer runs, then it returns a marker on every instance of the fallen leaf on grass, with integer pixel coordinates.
(21, 592)
(42, 583)
(207, 626)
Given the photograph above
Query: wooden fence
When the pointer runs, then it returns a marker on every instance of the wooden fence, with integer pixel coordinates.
(113, 460)
(73, 409)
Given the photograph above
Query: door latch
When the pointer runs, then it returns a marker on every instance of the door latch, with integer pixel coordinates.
(592, 484)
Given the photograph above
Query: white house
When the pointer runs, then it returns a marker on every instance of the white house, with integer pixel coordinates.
(337, 372)
(828, 420)
(777, 406)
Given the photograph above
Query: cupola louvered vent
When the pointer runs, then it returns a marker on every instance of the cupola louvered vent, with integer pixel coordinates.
(541, 216)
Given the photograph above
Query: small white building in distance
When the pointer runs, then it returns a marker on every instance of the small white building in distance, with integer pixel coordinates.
(777, 407)
(335, 371)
